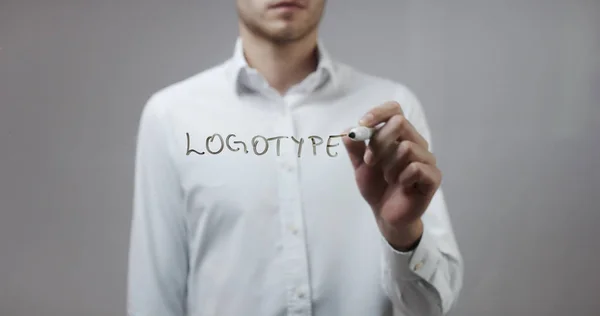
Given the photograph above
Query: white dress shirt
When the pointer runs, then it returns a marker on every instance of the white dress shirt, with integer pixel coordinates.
(284, 232)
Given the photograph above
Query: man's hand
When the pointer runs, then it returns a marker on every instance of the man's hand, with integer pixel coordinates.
(395, 173)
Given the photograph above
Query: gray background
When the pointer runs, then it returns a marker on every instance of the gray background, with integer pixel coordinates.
(511, 89)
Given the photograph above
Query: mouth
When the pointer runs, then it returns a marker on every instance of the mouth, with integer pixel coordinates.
(287, 5)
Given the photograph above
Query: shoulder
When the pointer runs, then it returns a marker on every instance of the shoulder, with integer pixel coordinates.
(373, 90)
(358, 81)
(186, 92)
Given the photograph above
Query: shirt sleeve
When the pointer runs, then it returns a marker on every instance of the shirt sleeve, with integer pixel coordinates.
(158, 265)
(428, 279)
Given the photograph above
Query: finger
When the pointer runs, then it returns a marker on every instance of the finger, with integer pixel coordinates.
(381, 114)
(383, 142)
(386, 139)
(404, 130)
(421, 177)
(406, 153)
(356, 150)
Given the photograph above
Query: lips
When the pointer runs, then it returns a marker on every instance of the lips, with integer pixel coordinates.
(287, 4)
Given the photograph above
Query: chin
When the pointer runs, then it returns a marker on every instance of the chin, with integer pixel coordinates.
(284, 33)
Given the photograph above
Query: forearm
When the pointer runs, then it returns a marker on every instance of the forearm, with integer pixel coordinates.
(425, 281)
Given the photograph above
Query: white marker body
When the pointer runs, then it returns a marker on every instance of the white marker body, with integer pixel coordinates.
(361, 133)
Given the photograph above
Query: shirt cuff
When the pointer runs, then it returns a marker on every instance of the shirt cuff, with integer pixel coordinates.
(419, 263)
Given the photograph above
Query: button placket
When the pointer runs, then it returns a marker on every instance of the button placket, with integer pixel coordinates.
(292, 221)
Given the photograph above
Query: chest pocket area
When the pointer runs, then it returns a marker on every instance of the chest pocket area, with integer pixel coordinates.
(226, 187)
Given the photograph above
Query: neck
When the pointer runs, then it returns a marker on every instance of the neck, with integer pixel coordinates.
(282, 64)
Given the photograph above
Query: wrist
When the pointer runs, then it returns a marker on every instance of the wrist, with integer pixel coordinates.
(405, 238)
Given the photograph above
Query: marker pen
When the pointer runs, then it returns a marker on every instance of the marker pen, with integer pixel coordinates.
(361, 133)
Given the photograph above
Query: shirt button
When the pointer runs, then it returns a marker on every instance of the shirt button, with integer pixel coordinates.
(287, 167)
(301, 294)
(294, 230)
(418, 266)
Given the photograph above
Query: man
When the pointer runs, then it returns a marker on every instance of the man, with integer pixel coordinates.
(247, 204)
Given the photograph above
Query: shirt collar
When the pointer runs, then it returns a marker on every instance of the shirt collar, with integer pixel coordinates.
(237, 65)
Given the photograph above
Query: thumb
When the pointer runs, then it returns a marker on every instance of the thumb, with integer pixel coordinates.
(356, 150)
